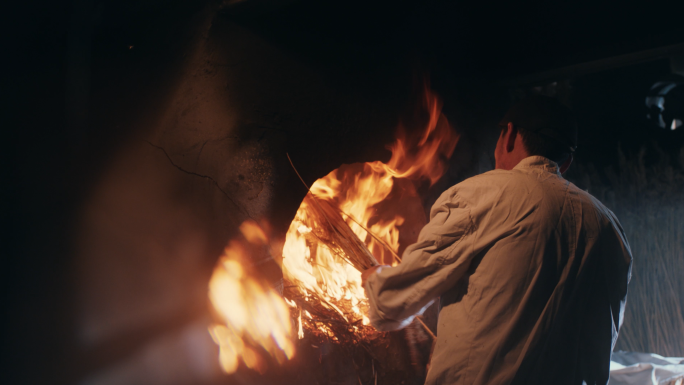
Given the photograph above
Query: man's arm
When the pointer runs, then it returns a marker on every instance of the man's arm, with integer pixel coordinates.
(605, 311)
(368, 272)
(429, 267)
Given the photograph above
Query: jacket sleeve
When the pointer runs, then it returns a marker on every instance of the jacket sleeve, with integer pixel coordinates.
(429, 267)
(604, 311)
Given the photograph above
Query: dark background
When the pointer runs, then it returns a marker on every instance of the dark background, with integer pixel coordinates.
(88, 83)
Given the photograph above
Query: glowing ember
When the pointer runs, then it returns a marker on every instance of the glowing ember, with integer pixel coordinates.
(300, 332)
(320, 273)
(256, 320)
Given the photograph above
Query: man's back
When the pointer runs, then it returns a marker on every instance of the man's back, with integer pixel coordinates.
(532, 274)
(546, 251)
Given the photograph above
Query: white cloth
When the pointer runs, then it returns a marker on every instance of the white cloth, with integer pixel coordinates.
(532, 276)
(630, 368)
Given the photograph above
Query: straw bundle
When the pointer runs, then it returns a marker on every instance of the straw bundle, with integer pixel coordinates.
(329, 321)
(326, 320)
(334, 232)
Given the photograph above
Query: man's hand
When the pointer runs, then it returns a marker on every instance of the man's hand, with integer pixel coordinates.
(367, 273)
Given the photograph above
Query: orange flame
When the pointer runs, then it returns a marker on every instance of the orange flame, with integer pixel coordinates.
(424, 159)
(313, 267)
(255, 317)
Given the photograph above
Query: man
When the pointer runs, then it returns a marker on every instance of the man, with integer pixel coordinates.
(531, 272)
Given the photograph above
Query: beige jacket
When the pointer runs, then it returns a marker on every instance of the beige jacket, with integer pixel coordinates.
(531, 273)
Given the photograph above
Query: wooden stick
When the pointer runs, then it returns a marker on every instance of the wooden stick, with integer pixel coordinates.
(427, 329)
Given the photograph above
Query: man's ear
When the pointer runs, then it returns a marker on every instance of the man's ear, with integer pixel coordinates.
(511, 135)
(564, 167)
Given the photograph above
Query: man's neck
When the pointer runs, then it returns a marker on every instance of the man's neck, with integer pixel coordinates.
(511, 160)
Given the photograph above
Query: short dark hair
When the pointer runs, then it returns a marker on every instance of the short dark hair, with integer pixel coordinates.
(537, 144)
(547, 127)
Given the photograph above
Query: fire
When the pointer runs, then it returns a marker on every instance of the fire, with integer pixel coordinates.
(256, 320)
(356, 191)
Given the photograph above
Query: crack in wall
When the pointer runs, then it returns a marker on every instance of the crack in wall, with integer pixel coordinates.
(214, 182)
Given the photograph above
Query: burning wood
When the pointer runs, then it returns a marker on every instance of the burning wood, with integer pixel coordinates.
(336, 314)
(338, 231)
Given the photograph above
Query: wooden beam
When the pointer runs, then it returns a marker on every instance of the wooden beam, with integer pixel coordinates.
(581, 69)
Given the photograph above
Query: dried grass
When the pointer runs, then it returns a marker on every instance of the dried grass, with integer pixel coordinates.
(649, 202)
(332, 231)
(345, 331)
(329, 322)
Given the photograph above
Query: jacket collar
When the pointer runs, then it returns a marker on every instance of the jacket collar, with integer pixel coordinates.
(536, 162)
